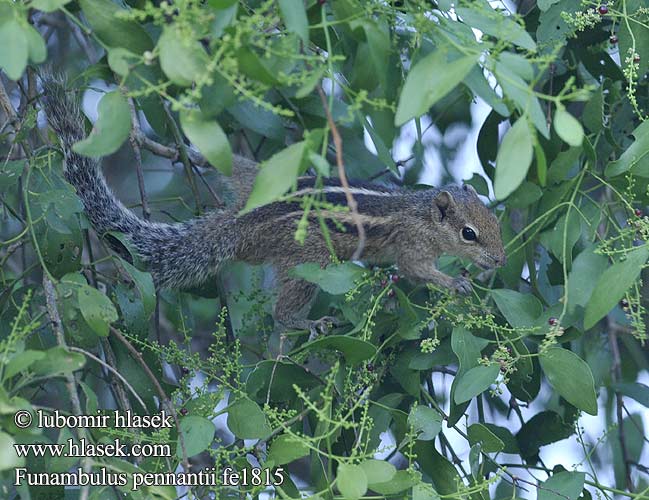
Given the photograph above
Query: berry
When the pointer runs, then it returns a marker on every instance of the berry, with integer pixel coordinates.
(624, 304)
(370, 367)
(390, 293)
(394, 278)
(183, 411)
(602, 9)
(384, 283)
(613, 39)
(638, 212)
(184, 370)
(553, 322)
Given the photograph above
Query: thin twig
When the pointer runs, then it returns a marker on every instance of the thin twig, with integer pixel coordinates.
(616, 376)
(351, 202)
(146, 211)
(112, 370)
(71, 383)
(161, 392)
(184, 157)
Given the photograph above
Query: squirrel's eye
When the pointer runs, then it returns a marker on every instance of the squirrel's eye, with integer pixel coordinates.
(469, 234)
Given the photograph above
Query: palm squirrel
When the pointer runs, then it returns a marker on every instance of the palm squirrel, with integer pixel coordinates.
(409, 228)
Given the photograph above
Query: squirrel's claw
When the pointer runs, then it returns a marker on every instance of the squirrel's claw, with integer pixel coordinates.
(322, 326)
(462, 285)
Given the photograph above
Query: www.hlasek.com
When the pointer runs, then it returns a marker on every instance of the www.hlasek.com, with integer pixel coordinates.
(102, 477)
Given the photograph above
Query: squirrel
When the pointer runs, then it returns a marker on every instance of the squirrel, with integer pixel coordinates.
(409, 228)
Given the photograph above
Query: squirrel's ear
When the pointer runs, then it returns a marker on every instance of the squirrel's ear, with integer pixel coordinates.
(444, 201)
(469, 188)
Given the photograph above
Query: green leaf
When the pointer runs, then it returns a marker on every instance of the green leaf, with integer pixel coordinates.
(335, 279)
(426, 422)
(246, 420)
(426, 84)
(564, 486)
(8, 458)
(522, 94)
(111, 128)
(583, 277)
(281, 376)
(13, 60)
(520, 310)
(377, 471)
(351, 481)
(21, 362)
(209, 138)
(354, 350)
(636, 156)
(478, 433)
(276, 176)
(494, 23)
(634, 390)
(144, 284)
(97, 309)
(58, 361)
(612, 284)
(475, 381)
(198, 433)
(423, 491)
(182, 58)
(542, 429)
(514, 159)
(120, 60)
(37, 47)
(568, 128)
(285, 449)
(571, 378)
(401, 481)
(48, 5)
(467, 348)
(103, 16)
(294, 16)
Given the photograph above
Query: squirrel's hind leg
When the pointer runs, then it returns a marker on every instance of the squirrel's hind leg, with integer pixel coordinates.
(294, 301)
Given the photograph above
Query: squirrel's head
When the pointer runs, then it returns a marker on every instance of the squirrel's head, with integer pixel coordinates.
(469, 228)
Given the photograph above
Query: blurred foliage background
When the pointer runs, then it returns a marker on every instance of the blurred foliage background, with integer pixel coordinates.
(419, 394)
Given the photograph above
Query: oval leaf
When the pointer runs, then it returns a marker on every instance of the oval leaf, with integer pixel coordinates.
(285, 449)
(246, 420)
(111, 128)
(378, 471)
(612, 284)
(426, 422)
(568, 128)
(13, 60)
(571, 378)
(475, 381)
(182, 59)
(209, 138)
(198, 433)
(97, 309)
(426, 84)
(276, 176)
(354, 350)
(351, 481)
(514, 159)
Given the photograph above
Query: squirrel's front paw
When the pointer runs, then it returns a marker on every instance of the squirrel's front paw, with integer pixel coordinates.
(462, 285)
(322, 326)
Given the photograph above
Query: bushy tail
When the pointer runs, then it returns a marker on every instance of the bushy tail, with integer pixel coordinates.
(178, 255)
